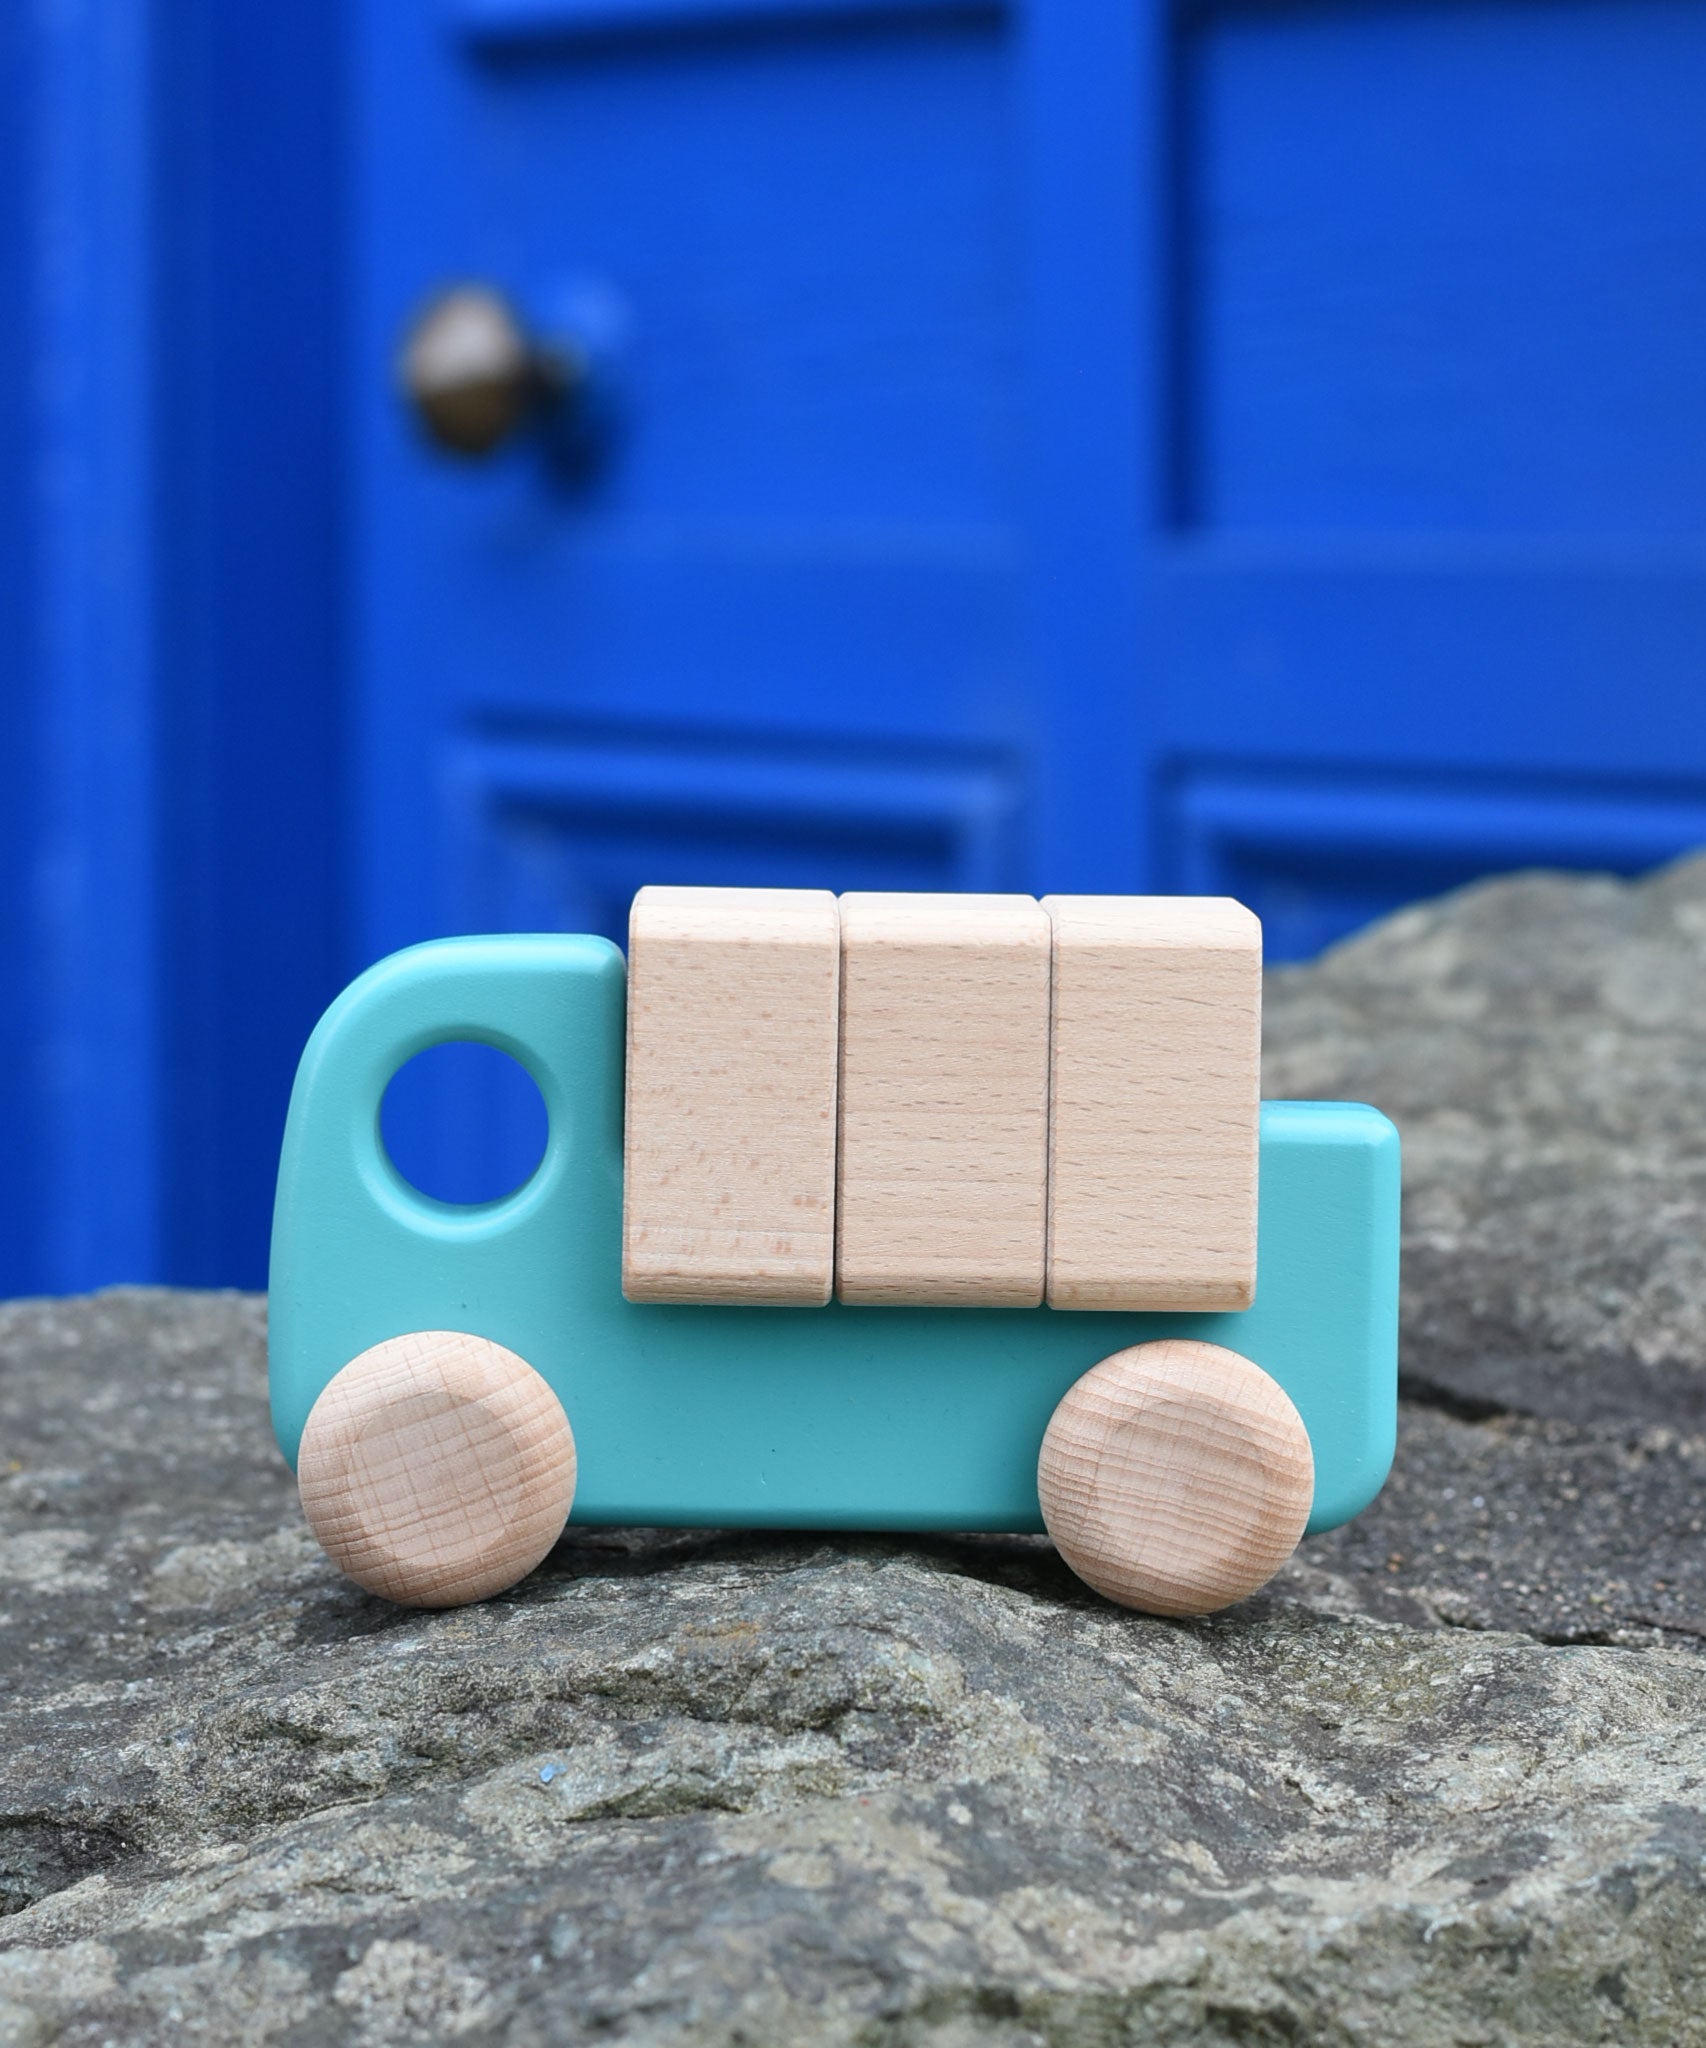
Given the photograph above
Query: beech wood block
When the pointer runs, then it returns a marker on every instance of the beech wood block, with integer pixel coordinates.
(1176, 1477)
(729, 1142)
(436, 1468)
(941, 1191)
(1157, 1039)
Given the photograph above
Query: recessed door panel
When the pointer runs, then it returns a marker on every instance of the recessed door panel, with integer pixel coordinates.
(750, 609)
(785, 242)
(1403, 441)
(1446, 269)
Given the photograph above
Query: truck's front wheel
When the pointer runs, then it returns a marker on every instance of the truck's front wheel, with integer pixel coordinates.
(1176, 1477)
(437, 1468)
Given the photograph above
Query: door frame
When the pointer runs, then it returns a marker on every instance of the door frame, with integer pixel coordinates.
(171, 613)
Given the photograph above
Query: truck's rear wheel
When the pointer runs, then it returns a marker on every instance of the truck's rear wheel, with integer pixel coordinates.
(1176, 1477)
(437, 1468)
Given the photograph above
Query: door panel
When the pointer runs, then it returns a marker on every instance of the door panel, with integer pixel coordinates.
(1409, 440)
(1447, 269)
(1313, 853)
(775, 633)
(557, 833)
(799, 558)
(1441, 475)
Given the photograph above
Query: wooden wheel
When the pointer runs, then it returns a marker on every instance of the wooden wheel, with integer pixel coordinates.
(437, 1468)
(1176, 1477)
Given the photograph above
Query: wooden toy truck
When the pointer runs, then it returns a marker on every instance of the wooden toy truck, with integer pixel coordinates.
(1019, 1145)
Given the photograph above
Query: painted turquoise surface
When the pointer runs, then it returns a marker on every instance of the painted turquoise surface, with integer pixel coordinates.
(830, 1418)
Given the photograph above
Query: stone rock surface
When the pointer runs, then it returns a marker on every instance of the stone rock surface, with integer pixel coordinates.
(1443, 1782)
(1541, 1043)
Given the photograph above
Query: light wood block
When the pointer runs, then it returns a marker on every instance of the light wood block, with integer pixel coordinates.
(941, 1192)
(436, 1468)
(729, 1144)
(1176, 1477)
(1153, 1112)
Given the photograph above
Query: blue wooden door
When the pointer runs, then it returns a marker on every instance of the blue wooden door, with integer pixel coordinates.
(773, 633)
(1379, 440)
(1218, 446)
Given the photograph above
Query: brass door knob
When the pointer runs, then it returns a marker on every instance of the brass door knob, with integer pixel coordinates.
(475, 375)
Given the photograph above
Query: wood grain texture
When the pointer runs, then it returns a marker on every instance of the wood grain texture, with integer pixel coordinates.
(1176, 1477)
(941, 1189)
(436, 1468)
(729, 1142)
(1157, 1033)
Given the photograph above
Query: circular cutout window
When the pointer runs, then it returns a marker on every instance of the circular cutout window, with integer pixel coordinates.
(464, 1122)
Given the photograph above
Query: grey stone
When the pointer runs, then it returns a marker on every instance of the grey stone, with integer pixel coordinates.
(1441, 1783)
(1541, 1044)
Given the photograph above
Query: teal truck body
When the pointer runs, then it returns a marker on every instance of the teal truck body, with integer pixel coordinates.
(835, 1417)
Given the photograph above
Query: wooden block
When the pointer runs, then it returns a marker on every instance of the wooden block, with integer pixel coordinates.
(729, 1146)
(436, 1468)
(1153, 1111)
(1176, 1477)
(941, 1193)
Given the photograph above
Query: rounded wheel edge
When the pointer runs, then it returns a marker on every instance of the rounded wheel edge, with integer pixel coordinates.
(1176, 1477)
(437, 1468)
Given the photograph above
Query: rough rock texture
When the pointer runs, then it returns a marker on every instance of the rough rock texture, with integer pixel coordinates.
(1445, 1782)
(1541, 1042)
